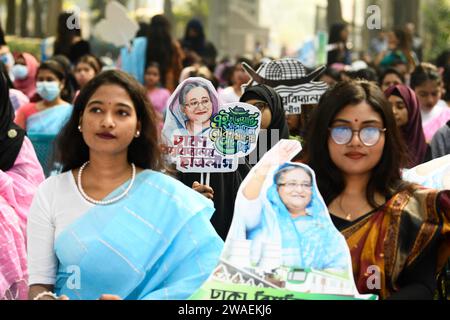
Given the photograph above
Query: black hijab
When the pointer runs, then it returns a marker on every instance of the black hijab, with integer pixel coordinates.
(278, 122)
(11, 135)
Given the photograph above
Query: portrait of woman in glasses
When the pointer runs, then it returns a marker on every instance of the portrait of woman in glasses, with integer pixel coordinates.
(280, 209)
(397, 232)
(190, 109)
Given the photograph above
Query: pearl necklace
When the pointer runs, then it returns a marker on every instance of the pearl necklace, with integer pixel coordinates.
(105, 202)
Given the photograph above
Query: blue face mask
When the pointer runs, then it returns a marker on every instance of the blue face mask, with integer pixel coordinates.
(48, 91)
(4, 58)
(20, 71)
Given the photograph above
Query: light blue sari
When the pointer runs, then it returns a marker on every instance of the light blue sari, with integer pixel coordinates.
(133, 59)
(156, 243)
(49, 121)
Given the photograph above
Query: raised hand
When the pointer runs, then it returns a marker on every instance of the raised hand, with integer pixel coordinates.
(281, 153)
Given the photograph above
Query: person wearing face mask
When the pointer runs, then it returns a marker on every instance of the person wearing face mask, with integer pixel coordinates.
(17, 97)
(6, 56)
(24, 72)
(50, 114)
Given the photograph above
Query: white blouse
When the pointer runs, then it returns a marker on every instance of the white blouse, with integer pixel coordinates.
(56, 205)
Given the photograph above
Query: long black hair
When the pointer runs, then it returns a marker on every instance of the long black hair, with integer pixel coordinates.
(386, 175)
(160, 47)
(72, 150)
(65, 35)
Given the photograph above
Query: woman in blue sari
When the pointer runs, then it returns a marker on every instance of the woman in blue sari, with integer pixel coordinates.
(112, 223)
(51, 113)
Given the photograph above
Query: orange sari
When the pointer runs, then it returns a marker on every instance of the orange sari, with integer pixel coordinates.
(393, 237)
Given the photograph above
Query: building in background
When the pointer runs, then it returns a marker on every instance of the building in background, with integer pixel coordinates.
(234, 27)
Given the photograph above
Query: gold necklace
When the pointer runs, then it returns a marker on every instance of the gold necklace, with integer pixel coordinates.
(348, 216)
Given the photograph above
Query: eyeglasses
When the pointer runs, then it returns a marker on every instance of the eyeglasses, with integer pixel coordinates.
(295, 185)
(369, 136)
(196, 103)
(261, 105)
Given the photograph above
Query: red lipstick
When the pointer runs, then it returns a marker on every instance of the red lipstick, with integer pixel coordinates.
(106, 135)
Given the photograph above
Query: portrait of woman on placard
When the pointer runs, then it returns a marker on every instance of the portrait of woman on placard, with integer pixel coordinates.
(190, 109)
(280, 209)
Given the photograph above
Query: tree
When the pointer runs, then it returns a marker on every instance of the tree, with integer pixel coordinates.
(54, 8)
(185, 11)
(168, 12)
(436, 14)
(406, 11)
(334, 12)
(11, 17)
(24, 18)
(37, 8)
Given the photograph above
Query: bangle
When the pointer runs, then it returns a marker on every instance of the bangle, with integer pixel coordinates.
(46, 294)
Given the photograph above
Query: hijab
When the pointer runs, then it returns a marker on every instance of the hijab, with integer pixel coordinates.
(28, 85)
(278, 122)
(412, 131)
(197, 43)
(11, 135)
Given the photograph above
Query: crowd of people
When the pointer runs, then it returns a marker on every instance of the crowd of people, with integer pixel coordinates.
(117, 199)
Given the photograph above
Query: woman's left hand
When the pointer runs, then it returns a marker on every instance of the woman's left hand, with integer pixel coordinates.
(205, 190)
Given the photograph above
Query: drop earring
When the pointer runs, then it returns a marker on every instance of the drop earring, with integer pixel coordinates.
(79, 128)
(138, 134)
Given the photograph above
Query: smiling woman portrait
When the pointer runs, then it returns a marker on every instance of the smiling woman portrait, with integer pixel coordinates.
(154, 232)
(190, 109)
(279, 209)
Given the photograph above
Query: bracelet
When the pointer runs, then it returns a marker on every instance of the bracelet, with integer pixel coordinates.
(44, 294)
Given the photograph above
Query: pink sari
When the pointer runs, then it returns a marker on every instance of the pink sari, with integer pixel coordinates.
(433, 125)
(17, 188)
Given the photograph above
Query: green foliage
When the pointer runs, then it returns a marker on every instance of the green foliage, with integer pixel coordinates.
(436, 15)
(186, 10)
(30, 45)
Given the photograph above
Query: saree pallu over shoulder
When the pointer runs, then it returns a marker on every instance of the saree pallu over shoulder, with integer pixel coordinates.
(49, 121)
(156, 243)
(394, 237)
